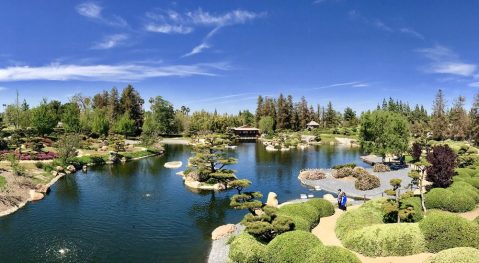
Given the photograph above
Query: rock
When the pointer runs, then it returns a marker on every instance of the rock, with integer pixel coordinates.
(68, 172)
(36, 196)
(272, 199)
(173, 165)
(330, 198)
(123, 159)
(43, 189)
(59, 169)
(270, 148)
(71, 168)
(84, 168)
(223, 231)
(54, 173)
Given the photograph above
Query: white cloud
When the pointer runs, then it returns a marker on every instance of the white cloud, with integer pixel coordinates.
(122, 72)
(168, 29)
(381, 25)
(111, 41)
(198, 49)
(239, 16)
(474, 85)
(89, 9)
(94, 11)
(445, 61)
(411, 32)
(361, 85)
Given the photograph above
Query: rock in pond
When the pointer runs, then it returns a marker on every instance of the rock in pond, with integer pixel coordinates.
(173, 165)
(272, 199)
(223, 231)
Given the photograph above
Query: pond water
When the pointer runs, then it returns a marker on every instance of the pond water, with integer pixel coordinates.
(142, 212)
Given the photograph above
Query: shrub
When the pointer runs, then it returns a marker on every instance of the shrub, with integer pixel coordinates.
(3, 145)
(349, 165)
(387, 240)
(359, 172)
(435, 199)
(39, 165)
(443, 161)
(290, 247)
(415, 203)
(324, 207)
(368, 214)
(246, 249)
(456, 255)
(331, 254)
(303, 210)
(443, 231)
(452, 201)
(476, 220)
(312, 174)
(343, 172)
(381, 168)
(465, 187)
(367, 182)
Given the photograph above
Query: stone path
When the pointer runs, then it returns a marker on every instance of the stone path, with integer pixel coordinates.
(325, 231)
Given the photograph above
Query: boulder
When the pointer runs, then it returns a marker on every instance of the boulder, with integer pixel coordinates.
(330, 198)
(104, 148)
(71, 168)
(223, 231)
(35, 196)
(43, 189)
(59, 169)
(123, 159)
(84, 168)
(54, 173)
(272, 199)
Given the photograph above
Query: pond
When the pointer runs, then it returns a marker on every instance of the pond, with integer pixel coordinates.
(142, 212)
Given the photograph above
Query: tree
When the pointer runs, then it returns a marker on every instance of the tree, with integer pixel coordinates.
(350, 117)
(396, 184)
(259, 109)
(330, 118)
(282, 113)
(114, 107)
(267, 226)
(124, 125)
(149, 134)
(384, 132)
(266, 125)
(99, 123)
(67, 147)
(71, 117)
(416, 151)
(459, 121)
(418, 178)
(44, 118)
(164, 115)
(474, 119)
(443, 162)
(132, 103)
(210, 160)
(17, 168)
(439, 124)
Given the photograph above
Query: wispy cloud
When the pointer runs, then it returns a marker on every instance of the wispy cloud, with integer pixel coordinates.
(94, 11)
(111, 41)
(381, 25)
(169, 29)
(445, 61)
(360, 85)
(121, 72)
(198, 49)
(474, 84)
(316, 2)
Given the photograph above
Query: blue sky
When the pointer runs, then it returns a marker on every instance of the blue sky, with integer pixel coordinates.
(223, 54)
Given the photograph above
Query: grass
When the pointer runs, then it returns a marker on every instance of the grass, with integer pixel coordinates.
(3, 182)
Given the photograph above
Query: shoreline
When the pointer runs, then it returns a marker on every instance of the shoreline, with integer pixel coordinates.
(55, 179)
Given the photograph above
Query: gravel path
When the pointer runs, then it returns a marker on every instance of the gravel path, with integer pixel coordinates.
(220, 250)
(332, 184)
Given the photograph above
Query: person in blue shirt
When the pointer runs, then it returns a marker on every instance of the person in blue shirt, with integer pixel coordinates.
(342, 200)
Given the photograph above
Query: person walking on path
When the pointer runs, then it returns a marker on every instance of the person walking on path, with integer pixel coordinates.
(342, 200)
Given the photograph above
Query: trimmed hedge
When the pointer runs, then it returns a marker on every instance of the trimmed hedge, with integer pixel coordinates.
(291, 247)
(367, 182)
(458, 200)
(368, 214)
(456, 255)
(246, 249)
(303, 211)
(324, 207)
(384, 240)
(414, 202)
(444, 230)
(331, 254)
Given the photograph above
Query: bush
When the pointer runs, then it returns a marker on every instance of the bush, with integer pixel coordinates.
(312, 174)
(443, 231)
(476, 220)
(415, 203)
(246, 249)
(39, 165)
(324, 207)
(387, 240)
(367, 182)
(359, 172)
(381, 168)
(370, 213)
(465, 187)
(343, 172)
(3, 145)
(348, 165)
(331, 254)
(291, 247)
(447, 200)
(303, 210)
(456, 255)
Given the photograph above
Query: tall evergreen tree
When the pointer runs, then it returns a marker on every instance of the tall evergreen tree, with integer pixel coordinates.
(474, 119)
(132, 103)
(259, 109)
(439, 123)
(459, 120)
(281, 113)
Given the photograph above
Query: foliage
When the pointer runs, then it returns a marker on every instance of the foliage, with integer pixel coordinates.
(266, 125)
(267, 225)
(131, 102)
(456, 255)
(290, 247)
(443, 162)
(387, 240)
(99, 123)
(17, 168)
(324, 207)
(439, 120)
(3, 182)
(246, 249)
(247, 200)
(384, 132)
(367, 182)
(3, 145)
(67, 146)
(349, 165)
(149, 134)
(368, 214)
(117, 142)
(71, 117)
(443, 231)
(312, 174)
(453, 201)
(163, 114)
(381, 168)
(307, 212)
(124, 125)
(44, 118)
(331, 254)
(416, 151)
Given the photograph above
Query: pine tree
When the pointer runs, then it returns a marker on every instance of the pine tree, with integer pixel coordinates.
(281, 113)
(330, 116)
(459, 120)
(439, 123)
(303, 113)
(474, 119)
(259, 109)
(132, 103)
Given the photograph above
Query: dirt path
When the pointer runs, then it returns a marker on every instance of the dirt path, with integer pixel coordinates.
(325, 232)
(471, 215)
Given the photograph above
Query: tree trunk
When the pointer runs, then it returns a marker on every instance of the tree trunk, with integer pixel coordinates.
(398, 206)
(423, 204)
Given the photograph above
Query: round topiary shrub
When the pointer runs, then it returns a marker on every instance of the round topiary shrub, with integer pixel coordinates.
(456, 255)
(324, 207)
(307, 212)
(312, 174)
(444, 230)
(290, 247)
(460, 202)
(331, 254)
(381, 168)
(359, 172)
(384, 240)
(436, 198)
(246, 249)
(343, 172)
(367, 182)
(465, 187)
(452, 201)
(370, 213)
